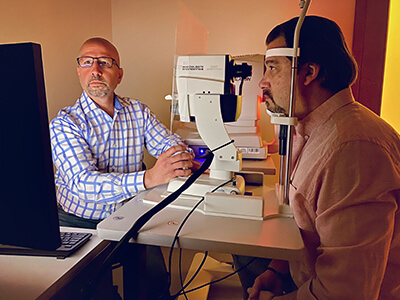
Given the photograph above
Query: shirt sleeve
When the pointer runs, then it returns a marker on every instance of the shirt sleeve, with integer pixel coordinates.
(77, 172)
(355, 217)
(158, 138)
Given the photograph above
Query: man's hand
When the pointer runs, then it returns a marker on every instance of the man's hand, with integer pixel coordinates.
(264, 295)
(196, 165)
(176, 161)
(266, 285)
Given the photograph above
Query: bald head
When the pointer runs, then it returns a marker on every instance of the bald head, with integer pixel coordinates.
(102, 42)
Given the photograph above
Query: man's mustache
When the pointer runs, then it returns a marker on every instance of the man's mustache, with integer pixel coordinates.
(271, 105)
(97, 78)
(268, 94)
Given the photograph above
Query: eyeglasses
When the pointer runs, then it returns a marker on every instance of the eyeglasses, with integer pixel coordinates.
(104, 62)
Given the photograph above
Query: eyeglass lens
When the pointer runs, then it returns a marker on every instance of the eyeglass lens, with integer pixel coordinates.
(87, 61)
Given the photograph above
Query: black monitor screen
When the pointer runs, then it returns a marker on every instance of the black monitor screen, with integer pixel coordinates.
(28, 207)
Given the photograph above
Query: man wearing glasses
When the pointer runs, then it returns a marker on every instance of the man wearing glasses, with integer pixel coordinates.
(98, 145)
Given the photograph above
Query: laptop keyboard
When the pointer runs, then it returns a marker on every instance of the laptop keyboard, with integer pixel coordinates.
(72, 240)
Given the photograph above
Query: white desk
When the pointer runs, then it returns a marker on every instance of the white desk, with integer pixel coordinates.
(273, 238)
(34, 277)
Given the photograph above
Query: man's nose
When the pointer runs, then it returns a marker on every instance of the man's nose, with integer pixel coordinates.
(264, 83)
(96, 68)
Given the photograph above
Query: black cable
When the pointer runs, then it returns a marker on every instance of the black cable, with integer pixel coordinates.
(203, 261)
(186, 218)
(180, 271)
(181, 226)
(198, 203)
(176, 237)
(133, 231)
(143, 219)
(224, 145)
(214, 281)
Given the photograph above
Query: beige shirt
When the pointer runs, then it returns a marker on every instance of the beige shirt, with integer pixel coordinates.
(345, 194)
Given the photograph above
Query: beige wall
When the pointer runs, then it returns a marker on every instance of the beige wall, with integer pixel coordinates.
(60, 27)
(145, 34)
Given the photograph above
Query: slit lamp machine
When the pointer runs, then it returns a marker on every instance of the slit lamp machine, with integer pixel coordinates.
(205, 94)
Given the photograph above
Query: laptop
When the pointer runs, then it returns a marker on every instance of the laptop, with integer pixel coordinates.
(70, 243)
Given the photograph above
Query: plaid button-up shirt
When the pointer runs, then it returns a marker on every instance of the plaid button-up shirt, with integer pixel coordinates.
(99, 158)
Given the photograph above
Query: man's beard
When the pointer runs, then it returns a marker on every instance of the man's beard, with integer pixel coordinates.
(271, 105)
(99, 91)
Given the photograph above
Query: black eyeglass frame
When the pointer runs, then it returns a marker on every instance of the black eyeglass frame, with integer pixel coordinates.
(114, 62)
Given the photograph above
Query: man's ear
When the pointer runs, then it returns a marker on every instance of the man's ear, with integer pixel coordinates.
(120, 75)
(311, 71)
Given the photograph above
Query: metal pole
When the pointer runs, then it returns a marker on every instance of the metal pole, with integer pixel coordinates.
(288, 165)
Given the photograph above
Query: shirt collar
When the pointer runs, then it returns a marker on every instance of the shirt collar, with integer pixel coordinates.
(118, 105)
(323, 112)
(89, 105)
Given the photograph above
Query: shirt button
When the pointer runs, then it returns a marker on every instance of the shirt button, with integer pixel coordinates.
(306, 137)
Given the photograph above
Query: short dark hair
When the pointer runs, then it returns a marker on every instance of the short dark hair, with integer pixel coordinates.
(321, 42)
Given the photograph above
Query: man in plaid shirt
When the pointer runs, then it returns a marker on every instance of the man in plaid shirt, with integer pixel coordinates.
(98, 143)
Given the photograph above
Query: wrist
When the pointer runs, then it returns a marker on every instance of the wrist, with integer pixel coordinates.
(147, 180)
(280, 275)
(282, 266)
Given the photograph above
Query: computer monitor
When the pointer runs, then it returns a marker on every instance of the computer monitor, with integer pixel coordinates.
(28, 206)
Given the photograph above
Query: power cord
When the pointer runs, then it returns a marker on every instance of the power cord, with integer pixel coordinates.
(181, 226)
(142, 220)
(211, 282)
(180, 271)
(182, 290)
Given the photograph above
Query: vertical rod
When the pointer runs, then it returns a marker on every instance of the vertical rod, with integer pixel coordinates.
(289, 147)
(292, 99)
(282, 152)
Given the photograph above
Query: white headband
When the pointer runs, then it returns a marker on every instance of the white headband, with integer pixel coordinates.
(282, 52)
